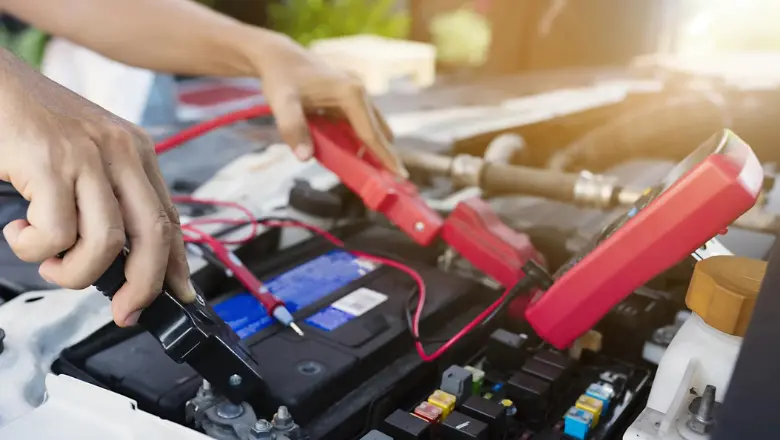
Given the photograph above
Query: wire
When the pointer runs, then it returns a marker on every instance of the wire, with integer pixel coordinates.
(264, 111)
(202, 128)
(413, 274)
(250, 217)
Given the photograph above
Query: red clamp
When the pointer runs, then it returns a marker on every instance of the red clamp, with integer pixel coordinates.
(472, 229)
(709, 190)
(337, 148)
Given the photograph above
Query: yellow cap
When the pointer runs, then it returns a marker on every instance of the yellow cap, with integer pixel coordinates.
(723, 291)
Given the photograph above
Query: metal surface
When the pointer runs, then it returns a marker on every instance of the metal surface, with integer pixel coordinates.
(38, 326)
(229, 421)
(263, 430)
(594, 190)
(76, 410)
(702, 410)
(284, 425)
(466, 170)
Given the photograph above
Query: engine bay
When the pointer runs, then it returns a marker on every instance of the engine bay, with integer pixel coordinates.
(617, 237)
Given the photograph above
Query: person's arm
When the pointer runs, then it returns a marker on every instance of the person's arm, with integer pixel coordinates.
(181, 36)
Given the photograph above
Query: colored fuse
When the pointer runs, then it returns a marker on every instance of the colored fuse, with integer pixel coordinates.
(509, 406)
(477, 379)
(429, 412)
(602, 391)
(591, 405)
(445, 401)
(577, 423)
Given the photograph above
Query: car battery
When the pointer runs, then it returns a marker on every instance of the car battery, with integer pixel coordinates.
(350, 309)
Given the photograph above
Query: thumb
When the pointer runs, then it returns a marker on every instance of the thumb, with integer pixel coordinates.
(291, 122)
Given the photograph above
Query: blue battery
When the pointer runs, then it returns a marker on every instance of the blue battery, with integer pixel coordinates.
(577, 423)
(602, 391)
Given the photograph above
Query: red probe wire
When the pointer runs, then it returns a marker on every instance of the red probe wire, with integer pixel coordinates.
(204, 238)
(203, 221)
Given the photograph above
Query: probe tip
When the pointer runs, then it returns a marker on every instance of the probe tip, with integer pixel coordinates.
(296, 329)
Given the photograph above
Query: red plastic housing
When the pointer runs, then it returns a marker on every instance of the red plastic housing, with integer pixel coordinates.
(476, 232)
(698, 206)
(337, 148)
(472, 228)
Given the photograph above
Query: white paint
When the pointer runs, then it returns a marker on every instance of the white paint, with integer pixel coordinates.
(75, 410)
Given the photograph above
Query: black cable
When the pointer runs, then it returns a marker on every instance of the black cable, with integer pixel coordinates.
(535, 276)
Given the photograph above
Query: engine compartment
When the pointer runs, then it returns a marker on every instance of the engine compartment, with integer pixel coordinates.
(356, 375)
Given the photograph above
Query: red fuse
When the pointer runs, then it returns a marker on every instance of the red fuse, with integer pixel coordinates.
(428, 412)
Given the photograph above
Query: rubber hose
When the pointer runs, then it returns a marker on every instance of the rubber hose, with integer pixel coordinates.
(501, 178)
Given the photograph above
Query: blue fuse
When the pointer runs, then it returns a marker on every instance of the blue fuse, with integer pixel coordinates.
(602, 391)
(577, 423)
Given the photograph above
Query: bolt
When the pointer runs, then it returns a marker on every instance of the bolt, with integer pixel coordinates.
(419, 226)
(205, 391)
(235, 380)
(263, 425)
(282, 419)
(263, 430)
(229, 410)
(702, 410)
(707, 404)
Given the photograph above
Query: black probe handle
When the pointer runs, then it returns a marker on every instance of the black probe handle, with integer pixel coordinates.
(113, 278)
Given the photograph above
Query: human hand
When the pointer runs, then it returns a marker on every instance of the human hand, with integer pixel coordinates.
(296, 82)
(93, 181)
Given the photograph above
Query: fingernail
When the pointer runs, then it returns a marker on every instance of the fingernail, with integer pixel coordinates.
(132, 319)
(303, 151)
(191, 292)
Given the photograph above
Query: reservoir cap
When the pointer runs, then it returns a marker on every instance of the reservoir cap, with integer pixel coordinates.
(723, 291)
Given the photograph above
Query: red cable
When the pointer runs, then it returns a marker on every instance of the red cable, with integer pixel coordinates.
(262, 111)
(250, 218)
(202, 128)
(417, 279)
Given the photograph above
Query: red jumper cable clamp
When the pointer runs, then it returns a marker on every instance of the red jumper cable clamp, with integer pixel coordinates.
(472, 228)
(704, 194)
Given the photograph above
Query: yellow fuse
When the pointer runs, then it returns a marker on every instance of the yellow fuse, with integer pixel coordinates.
(591, 405)
(445, 401)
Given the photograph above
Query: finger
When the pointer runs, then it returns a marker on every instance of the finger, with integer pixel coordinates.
(291, 122)
(361, 115)
(149, 230)
(386, 130)
(101, 233)
(177, 278)
(51, 224)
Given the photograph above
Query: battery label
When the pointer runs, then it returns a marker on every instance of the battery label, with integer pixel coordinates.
(346, 309)
(298, 288)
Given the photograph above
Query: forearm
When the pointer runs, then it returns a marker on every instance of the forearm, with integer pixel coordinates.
(177, 36)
